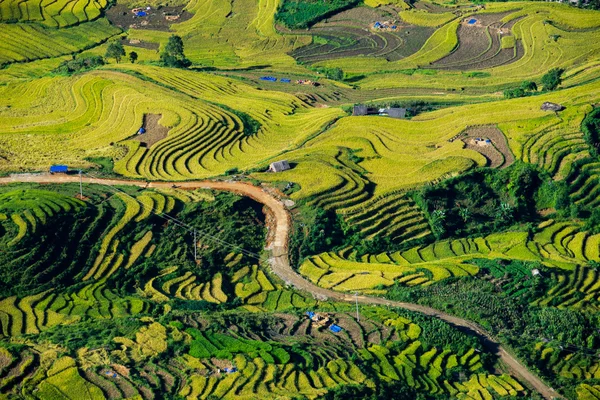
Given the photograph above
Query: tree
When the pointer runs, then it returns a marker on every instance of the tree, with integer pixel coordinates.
(514, 93)
(552, 79)
(133, 56)
(115, 50)
(529, 86)
(172, 55)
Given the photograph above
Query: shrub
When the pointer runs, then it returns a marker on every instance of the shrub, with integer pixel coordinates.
(552, 79)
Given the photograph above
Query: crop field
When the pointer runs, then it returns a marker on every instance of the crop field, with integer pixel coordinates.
(479, 206)
(343, 36)
(483, 45)
(27, 42)
(130, 361)
(540, 52)
(55, 14)
(564, 247)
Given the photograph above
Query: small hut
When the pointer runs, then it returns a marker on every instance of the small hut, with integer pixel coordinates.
(396, 112)
(547, 106)
(279, 166)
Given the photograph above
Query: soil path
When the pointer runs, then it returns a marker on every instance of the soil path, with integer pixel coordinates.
(282, 268)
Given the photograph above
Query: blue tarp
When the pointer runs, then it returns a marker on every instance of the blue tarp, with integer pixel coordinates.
(472, 21)
(59, 168)
(142, 130)
(488, 141)
(394, 26)
(377, 24)
(285, 80)
(310, 314)
(231, 370)
(268, 78)
(335, 329)
(141, 13)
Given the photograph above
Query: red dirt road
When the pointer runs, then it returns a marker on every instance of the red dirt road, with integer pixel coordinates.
(281, 267)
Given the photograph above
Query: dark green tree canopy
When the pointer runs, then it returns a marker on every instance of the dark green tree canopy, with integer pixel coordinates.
(115, 50)
(172, 55)
(552, 79)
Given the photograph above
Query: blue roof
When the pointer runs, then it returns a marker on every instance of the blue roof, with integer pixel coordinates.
(268, 78)
(285, 80)
(334, 328)
(472, 21)
(59, 168)
(141, 13)
(310, 314)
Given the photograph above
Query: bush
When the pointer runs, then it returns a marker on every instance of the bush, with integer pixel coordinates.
(77, 65)
(552, 79)
(591, 130)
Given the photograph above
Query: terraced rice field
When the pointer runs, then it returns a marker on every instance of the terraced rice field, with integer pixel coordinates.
(480, 45)
(55, 14)
(563, 246)
(351, 33)
(27, 42)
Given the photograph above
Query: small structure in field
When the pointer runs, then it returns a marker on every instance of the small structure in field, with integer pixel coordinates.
(279, 166)
(319, 319)
(59, 169)
(472, 21)
(392, 112)
(361, 110)
(536, 272)
(548, 106)
(395, 112)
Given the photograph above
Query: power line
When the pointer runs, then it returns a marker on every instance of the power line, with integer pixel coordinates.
(180, 223)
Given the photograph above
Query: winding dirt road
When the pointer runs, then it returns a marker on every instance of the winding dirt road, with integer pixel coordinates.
(281, 266)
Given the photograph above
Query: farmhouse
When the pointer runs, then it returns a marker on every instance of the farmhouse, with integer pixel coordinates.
(547, 106)
(279, 166)
(393, 112)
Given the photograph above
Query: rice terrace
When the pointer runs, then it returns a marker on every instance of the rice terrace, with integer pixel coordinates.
(299, 199)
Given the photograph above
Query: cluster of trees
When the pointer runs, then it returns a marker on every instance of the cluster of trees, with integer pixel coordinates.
(171, 56)
(484, 200)
(117, 51)
(79, 64)
(591, 130)
(526, 88)
(549, 81)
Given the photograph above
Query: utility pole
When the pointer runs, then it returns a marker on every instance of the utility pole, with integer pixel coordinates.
(80, 185)
(356, 298)
(195, 246)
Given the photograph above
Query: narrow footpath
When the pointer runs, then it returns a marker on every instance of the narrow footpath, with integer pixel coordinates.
(281, 267)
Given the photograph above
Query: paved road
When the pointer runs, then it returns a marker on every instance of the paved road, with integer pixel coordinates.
(281, 266)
